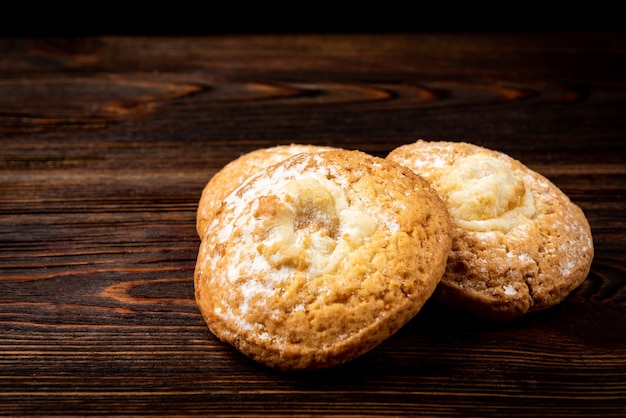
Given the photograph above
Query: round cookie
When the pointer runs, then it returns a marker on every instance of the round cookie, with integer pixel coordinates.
(315, 260)
(236, 171)
(519, 244)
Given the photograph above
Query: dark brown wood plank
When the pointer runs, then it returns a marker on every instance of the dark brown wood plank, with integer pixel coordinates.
(107, 142)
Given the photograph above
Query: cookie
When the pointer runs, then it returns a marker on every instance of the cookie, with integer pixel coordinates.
(519, 244)
(315, 260)
(236, 171)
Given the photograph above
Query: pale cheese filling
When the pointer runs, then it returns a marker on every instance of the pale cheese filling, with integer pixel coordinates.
(314, 227)
(483, 194)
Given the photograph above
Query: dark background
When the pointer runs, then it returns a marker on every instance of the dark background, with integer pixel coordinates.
(207, 18)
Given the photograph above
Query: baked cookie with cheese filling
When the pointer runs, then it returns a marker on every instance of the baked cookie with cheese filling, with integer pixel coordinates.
(519, 243)
(313, 261)
(236, 171)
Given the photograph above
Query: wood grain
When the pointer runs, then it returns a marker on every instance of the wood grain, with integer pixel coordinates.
(107, 142)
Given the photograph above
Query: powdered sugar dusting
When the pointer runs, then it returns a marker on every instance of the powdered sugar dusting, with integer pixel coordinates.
(259, 246)
(509, 290)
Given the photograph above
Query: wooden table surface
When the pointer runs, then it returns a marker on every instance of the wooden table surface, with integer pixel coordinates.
(106, 143)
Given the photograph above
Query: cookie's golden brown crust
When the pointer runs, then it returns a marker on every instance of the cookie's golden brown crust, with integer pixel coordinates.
(519, 244)
(315, 260)
(236, 171)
